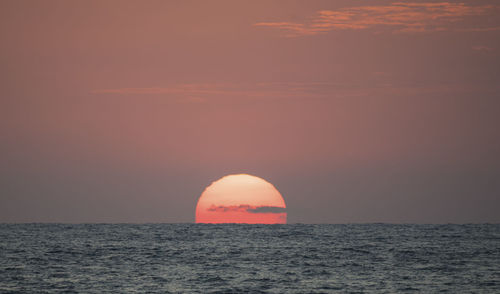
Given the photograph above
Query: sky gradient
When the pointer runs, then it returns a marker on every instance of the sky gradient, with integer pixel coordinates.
(356, 111)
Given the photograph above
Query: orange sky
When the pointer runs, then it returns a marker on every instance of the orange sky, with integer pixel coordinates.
(124, 111)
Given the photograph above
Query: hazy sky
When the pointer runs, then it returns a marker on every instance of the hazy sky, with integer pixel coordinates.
(357, 111)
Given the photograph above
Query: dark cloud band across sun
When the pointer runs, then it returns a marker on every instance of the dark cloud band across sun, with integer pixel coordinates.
(247, 208)
(397, 17)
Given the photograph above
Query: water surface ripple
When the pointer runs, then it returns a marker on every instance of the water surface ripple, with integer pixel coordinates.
(197, 258)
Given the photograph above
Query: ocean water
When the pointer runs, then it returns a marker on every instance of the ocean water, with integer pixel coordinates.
(197, 258)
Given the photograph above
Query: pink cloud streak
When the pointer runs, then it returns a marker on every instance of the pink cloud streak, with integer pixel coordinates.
(397, 17)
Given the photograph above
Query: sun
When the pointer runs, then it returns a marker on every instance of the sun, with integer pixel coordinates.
(241, 198)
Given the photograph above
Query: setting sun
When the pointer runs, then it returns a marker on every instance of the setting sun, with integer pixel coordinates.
(241, 198)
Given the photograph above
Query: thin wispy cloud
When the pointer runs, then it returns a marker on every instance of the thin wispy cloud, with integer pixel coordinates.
(247, 208)
(397, 17)
(230, 90)
(378, 82)
(192, 89)
(482, 48)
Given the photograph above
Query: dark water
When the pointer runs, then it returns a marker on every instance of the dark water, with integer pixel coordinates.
(172, 258)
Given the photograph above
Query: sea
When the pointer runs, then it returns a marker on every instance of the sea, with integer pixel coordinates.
(239, 258)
